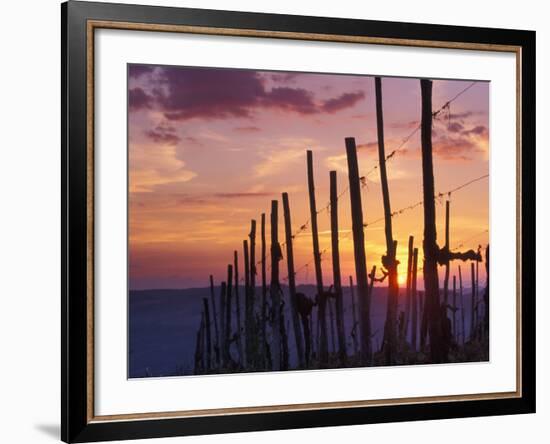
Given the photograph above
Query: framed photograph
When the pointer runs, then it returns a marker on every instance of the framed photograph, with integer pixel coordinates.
(276, 221)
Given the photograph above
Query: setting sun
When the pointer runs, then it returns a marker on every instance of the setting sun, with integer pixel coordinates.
(402, 279)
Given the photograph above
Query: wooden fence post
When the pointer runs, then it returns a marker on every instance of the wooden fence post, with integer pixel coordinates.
(372, 277)
(431, 280)
(238, 308)
(256, 359)
(223, 330)
(389, 261)
(199, 347)
(454, 307)
(446, 278)
(414, 299)
(247, 312)
(478, 322)
(473, 302)
(463, 329)
(423, 320)
(216, 331)
(292, 283)
(228, 297)
(486, 295)
(331, 318)
(284, 341)
(408, 296)
(263, 345)
(204, 364)
(355, 326)
(336, 274)
(323, 345)
(359, 251)
(274, 287)
(252, 237)
(208, 334)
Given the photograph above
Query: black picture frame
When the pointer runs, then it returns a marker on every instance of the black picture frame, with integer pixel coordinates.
(76, 423)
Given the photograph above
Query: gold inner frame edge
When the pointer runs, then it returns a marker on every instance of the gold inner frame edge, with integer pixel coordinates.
(92, 25)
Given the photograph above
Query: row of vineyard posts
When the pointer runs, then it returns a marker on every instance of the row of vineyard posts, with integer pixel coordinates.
(260, 338)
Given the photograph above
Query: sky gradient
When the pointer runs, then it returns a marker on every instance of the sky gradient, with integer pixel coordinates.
(210, 148)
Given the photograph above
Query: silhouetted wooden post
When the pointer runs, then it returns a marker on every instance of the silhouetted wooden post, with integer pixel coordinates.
(216, 331)
(408, 293)
(228, 311)
(414, 304)
(446, 279)
(462, 306)
(247, 311)
(252, 298)
(238, 308)
(486, 295)
(354, 317)
(431, 280)
(336, 274)
(223, 319)
(314, 343)
(263, 345)
(372, 277)
(478, 322)
(198, 347)
(389, 260)
(454, 308)
(284, 343)
(318, 330)
(331, 317)
(292, 283)
(423, 320)
(363, 295)
(473, 302)
(208, 334)
(323, 346)
(252, 237)
(204, 364)
(274, 286)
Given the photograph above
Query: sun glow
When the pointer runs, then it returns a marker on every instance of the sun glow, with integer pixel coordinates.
(402, 279)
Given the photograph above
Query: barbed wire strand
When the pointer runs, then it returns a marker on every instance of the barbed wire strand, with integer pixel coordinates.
(363, 179)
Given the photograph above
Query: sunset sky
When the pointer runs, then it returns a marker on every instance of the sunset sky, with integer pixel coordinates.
(210, 148)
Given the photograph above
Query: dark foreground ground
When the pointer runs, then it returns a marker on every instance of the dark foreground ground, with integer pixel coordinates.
(163, 326)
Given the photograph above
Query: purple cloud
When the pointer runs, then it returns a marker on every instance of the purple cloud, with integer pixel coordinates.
(139, 99)
(209, 93)
(478, 130)
(284, 77)
(136, 71)
(247, 129)
(462, 144)
(462, 115)
(455, 127)
(292, 99)
(187, 93)
(163, 134)
(346, 100)
(454, 148)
